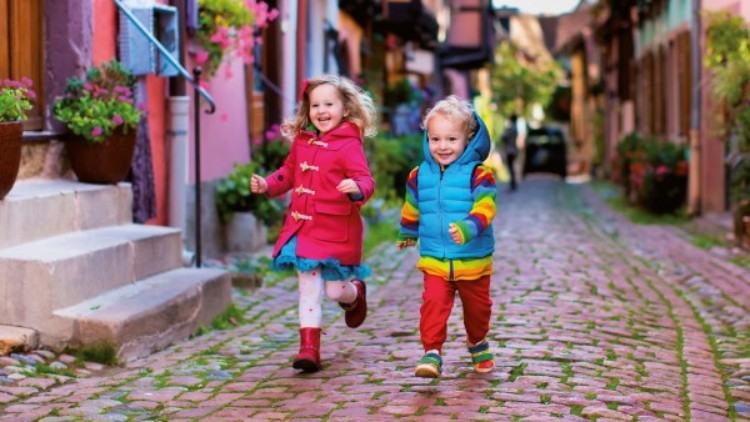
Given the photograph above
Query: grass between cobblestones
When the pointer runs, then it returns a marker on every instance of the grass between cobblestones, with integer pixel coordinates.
(219, 359)
(574, 203)
(702, 305)
(722, 369)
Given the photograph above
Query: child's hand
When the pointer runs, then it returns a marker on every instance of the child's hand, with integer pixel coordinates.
(258, 184)
(403, 244)
(348, 186)
(455, 234)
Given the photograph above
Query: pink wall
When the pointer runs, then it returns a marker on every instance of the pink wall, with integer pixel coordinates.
(224, 134)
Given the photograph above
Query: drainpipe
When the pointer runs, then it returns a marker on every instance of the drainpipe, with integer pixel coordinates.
(289, 57)
(694, 176)
(177, 136)
(179, 120)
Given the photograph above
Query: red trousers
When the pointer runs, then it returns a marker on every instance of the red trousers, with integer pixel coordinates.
(437, 304)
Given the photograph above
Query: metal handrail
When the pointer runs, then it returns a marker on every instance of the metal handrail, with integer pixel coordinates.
(167, 55)
(194, 80)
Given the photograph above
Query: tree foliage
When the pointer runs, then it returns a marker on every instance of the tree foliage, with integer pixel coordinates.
(728, 61)
(517, 84)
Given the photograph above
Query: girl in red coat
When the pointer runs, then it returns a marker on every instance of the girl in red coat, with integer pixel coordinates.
(329, 178)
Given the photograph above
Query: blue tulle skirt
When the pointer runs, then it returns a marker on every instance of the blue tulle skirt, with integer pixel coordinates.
(331, 269)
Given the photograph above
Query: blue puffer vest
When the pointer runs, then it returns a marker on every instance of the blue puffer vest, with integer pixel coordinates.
(445, 197)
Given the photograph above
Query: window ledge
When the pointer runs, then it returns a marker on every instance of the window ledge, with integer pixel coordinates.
(40, 136)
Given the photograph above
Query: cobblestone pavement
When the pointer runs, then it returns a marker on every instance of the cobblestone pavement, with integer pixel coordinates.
(594, 319)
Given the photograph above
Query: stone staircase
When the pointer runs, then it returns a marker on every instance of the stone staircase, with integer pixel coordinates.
(76, 270)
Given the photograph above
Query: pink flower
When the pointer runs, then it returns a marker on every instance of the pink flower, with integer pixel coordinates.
(201, 57)
(273, 132)
(96, 131)
(662, 170)
(122, 90)
(245, 32)
(257, 140)
(222, 37)
(27, 81)
(117, 120)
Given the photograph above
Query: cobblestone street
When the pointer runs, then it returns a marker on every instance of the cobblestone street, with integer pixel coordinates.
(595, 318)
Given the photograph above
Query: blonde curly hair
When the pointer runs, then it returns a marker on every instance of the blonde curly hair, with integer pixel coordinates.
(359, 107)
(454, 108)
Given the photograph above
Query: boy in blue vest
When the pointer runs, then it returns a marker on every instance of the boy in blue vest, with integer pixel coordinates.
(449, 207)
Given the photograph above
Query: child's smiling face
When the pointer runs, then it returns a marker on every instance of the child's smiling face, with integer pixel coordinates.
(447, 139)
(326, 108)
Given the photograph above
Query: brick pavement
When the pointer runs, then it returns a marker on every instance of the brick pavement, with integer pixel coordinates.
(594, 319)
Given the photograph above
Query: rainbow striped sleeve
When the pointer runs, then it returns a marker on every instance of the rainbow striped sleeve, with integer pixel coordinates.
(410, 210)
(484, 191)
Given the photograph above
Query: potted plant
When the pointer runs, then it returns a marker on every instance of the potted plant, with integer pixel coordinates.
(16, 99)
(246, 216)
(101, 114)
(659, 180)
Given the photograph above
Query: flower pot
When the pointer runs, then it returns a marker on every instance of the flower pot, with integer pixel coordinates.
(107, 162)
(244, 233)
(10, 155)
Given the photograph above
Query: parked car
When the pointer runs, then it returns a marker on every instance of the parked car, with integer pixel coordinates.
(546, 151)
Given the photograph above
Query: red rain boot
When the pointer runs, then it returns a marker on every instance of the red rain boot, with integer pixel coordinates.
(308, 358)
(356, 312)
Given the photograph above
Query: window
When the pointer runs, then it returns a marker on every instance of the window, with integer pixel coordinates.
(22, 49)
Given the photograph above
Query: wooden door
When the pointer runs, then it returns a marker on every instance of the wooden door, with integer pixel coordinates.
(22, 49)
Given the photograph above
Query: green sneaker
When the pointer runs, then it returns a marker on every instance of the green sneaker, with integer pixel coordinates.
(430, 366)
(482, 358)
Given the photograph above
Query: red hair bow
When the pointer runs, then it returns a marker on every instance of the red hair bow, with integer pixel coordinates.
(303, 87)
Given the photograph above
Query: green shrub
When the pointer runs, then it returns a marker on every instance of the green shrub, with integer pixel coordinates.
(391, 159)
(233, 195)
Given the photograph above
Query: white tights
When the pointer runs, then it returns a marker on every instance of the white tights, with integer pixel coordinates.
(311, 296)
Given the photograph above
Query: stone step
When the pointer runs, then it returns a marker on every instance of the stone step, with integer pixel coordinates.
(37, 208)
(38, 277)
(149, 315)
(17, 339)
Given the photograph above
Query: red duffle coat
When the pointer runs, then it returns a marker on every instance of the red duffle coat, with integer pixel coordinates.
(327, 222)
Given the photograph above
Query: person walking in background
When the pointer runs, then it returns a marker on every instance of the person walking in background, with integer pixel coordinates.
(510, 141)
(449, 207)
(330, 180)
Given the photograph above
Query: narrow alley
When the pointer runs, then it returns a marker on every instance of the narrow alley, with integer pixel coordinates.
(595, 318)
